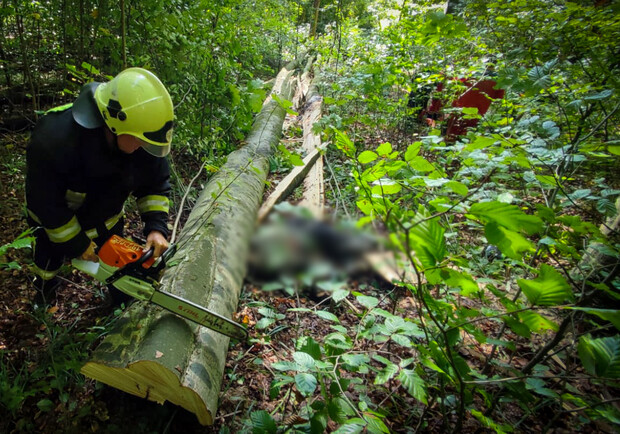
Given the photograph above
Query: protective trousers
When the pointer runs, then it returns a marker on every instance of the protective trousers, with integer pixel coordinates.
(47, 257)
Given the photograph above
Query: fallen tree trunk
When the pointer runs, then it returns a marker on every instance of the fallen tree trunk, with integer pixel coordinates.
(288, 184)
(157, 355)
(314, 190)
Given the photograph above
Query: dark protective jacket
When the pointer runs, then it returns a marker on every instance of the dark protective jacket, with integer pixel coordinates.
(77, 184)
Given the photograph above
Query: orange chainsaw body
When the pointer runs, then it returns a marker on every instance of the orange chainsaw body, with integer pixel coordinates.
(118, 252)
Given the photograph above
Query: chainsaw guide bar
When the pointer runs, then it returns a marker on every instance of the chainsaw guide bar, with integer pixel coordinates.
(123, 264)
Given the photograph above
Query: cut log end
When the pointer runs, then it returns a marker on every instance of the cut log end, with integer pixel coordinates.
(150, 380)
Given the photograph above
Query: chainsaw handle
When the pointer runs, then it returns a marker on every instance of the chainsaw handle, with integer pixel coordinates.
(146, 256)
(170, 251)
(136, 269)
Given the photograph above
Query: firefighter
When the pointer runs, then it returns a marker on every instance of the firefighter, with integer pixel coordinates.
(84, 160)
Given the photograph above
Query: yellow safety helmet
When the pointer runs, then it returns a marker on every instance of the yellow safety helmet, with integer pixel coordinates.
(136, 102)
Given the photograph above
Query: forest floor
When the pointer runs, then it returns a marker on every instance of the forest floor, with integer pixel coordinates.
(43, 351)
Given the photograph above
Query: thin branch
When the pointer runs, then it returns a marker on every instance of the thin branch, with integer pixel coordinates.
(184, 96)
(180, 210)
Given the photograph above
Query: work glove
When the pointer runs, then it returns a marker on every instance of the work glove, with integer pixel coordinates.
(89, 254)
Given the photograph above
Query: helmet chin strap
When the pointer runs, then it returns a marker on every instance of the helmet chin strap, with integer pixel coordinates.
(111, 139)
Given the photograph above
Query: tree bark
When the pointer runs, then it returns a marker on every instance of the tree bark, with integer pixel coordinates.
(288, 184)
(157, 355)
(314, 190)
(315, 21)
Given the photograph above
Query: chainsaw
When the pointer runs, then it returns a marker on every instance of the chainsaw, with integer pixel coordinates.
(124, 265)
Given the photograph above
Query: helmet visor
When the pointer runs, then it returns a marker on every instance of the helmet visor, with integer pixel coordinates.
(156, 150)
(157, 143)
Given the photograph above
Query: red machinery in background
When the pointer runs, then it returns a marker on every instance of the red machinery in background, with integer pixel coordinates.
(479, 94)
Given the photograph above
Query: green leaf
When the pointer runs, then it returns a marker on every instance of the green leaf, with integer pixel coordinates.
(306, 383)
(480, 142)
(386, 373)
(470, 113)
(384, 149)
(421, 164)
(272, 286)
(415, 385)
(367, 157)
(21, 243)
(352, 426)
(263, 323)
(600, 357)
(344, 144)
(382, 359)
(508, 216)
(606, 207)
(304, 360)
(550, 288)
(318, 420)
(463, 281)
(412, 151)
(374, 173)
(537, 385)
(268, 312)
(339, 409)
(285, 366)
(394, 324)
(510, 243)
(604, 94)
(340, 294)
(328, 316)
(330, 285)
(355, 360)
(429, 363)
(613, 149)
(548, 180)
(505, 198)
(536, 322)
(90, 68)
(375, 425)
(490, 423)
(611, 315)
(285, 104)
(45, 405)
(401, 340)
(310, 346)
(518, 327)
(367, 302)
(339, 341)
(539, 80)
(235, 95)
(296, 160)
(427, 239)
(255, 102)
(386, 187)
(365, 206)
(263, 423)
(458, 187)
